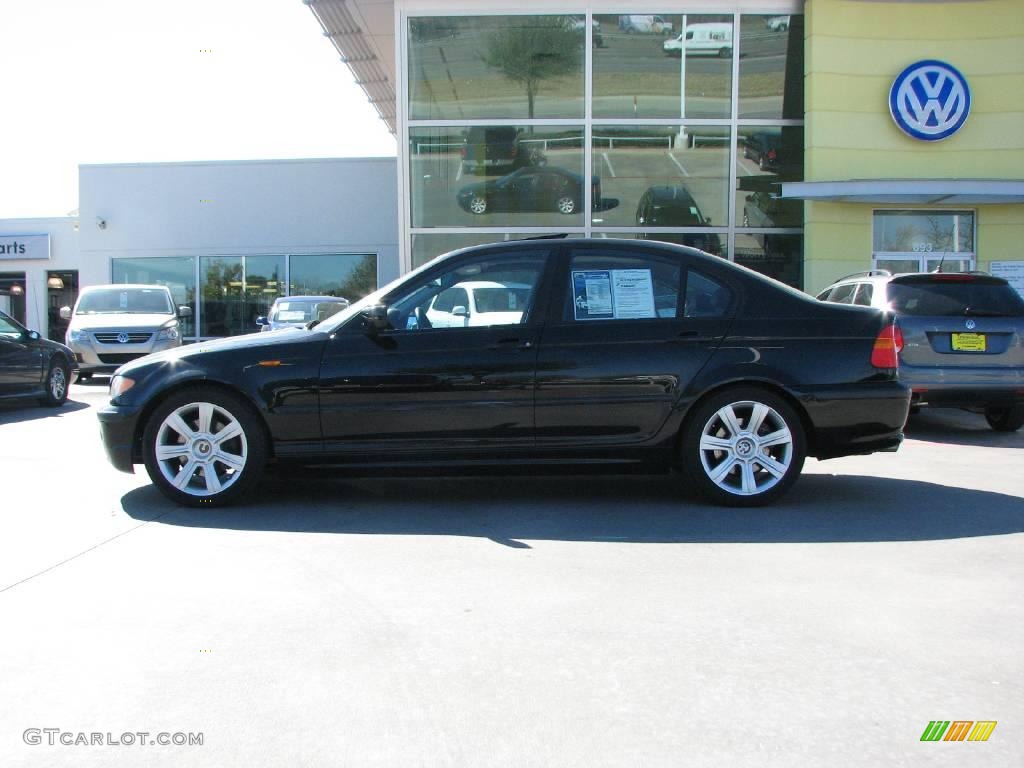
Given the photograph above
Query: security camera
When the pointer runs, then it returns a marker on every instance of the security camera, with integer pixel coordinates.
(101, 222)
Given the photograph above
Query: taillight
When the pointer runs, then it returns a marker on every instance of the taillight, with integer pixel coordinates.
(888, 344)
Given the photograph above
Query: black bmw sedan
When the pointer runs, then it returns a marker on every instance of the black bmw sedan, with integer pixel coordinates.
(608, 352)
(32, 367)
(530, 190)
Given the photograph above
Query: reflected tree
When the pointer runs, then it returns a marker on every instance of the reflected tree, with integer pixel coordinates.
(534, 50)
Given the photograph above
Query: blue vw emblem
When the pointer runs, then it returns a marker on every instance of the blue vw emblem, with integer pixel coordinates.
(122, 338)
(971, 325)
(930, 100)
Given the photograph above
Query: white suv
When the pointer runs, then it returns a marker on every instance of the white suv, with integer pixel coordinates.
(112, 324)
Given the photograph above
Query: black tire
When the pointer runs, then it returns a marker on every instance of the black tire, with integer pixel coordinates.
(57, 384)
(253, 443)
(1005, 419)
(766, 486)
(724, 53)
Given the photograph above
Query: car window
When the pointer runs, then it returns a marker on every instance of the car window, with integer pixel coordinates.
(944, 296)
(705, 296)
(8, 329)
(504, 285)
(843, 294)
(607, 286)
(125, 300)
(864, 293)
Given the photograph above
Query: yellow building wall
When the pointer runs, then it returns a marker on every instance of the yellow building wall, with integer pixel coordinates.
(853, 51)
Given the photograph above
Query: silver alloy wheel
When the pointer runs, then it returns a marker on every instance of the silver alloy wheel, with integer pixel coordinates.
(746, 448)
(201, 449)
(566, 205)
(478, 205)
(58, 383)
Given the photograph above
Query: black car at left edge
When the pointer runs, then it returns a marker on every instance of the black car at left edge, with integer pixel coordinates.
(607, 352)
(33, 368)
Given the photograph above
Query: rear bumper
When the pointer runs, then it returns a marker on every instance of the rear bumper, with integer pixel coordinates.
(850, 420)
(117, 429)
(954, 397)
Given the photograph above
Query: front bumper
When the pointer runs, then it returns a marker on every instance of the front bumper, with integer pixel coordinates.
(118, 426)
(94, 357)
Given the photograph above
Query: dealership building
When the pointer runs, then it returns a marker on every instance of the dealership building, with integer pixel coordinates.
(806, 140)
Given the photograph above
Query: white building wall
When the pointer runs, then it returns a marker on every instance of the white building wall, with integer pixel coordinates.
(64, 254)
(345, 205)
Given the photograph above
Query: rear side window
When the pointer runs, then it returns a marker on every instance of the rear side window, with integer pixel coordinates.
(705, 297)
(843, 294)
(943, 298)
(607, 286)
(864, 293)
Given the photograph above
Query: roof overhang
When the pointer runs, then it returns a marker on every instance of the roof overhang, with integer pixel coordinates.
(363, 32)
(909, 191)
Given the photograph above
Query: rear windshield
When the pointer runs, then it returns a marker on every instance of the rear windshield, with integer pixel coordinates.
(944, 298)
(132, 301)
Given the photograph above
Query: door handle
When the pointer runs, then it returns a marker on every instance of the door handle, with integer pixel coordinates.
(512, 341)
(686, 334)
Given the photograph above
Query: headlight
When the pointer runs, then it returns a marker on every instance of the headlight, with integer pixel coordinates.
(170, 333)
(78, 336)
(119, 385)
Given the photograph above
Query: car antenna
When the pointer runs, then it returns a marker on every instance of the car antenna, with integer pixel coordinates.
(938, 269)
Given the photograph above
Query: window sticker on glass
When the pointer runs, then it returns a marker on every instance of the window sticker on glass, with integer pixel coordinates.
(619, 294)
(123, 300)
(592, 295)
(633, 293)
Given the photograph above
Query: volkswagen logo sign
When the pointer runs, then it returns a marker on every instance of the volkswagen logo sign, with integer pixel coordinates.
(122, 338)
(971, 325)
(930, 100)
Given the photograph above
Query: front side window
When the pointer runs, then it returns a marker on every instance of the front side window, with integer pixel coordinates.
(497, 289)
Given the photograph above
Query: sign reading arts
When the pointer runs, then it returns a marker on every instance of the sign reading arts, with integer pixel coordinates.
(24, 247)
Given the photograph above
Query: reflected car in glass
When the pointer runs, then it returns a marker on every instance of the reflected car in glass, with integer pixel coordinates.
(612, 355)
(704, 39)
(674, 206)
(498, 147)
(961, 336)
(32, 367)
(529, 190)
(297, 311)
(761, 209)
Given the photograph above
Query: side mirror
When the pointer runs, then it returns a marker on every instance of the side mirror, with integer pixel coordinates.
(707, 221)
(262, 320)
(65, 313)
(460, 311)
(376, 317)
(33, 336)
(184, 311)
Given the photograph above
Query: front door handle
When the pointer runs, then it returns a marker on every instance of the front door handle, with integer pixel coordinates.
(517, 343)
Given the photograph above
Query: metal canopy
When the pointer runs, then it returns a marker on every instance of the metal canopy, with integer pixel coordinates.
(909, 191)
(363, 33)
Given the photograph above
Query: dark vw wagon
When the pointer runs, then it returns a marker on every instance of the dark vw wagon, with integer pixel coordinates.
(606, 352)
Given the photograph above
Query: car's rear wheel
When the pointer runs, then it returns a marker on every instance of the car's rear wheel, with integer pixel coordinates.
(566, 204)
(1005, 419)
(56, 385)
(204, 447)
(724, 53)
(478, 205)
(743, 447)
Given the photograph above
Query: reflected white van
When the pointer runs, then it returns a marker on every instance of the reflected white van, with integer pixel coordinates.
(708, 39)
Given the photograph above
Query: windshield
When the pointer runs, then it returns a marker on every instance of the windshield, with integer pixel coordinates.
(304, 311)
(132, 301)
(370, 299)
(944, 299)
(9, 328)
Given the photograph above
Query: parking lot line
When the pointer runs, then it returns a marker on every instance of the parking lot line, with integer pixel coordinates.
(608, 162)
(678, 164)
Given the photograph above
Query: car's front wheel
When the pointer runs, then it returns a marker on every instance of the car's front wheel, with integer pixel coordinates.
(566, 204)
(1005, 419)
(204, 447)
(743, 447)
(478, 205)
(56, 385)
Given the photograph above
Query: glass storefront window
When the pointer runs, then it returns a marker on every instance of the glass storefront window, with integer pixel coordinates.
(429, 246)
(661, 176)
(922, 241)
(640, 70)
(778, 256)
(772, 67)
(349, 276)
(766, 156)
(176, 272)
(236, 290)
(466, 67)
(497, 176)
